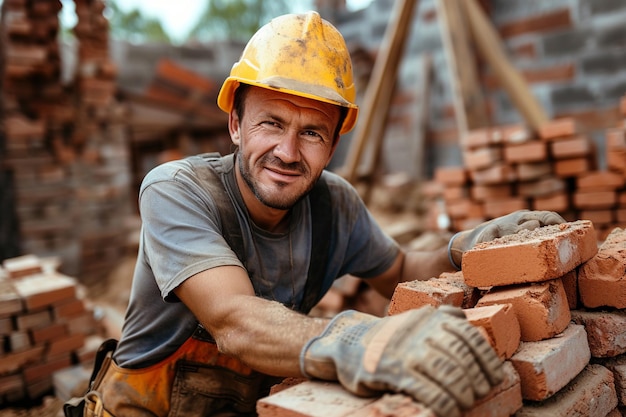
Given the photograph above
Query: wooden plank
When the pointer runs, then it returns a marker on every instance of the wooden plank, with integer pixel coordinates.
(380, 90)
(421, 120)
(490, 46)
(468, 98)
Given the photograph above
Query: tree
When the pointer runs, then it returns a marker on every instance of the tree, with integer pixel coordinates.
(134, 26)
(235, 19)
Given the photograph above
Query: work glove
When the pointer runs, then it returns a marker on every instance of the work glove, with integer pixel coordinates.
(498, 227)
(434, 355)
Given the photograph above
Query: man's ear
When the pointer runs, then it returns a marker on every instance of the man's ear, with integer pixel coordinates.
(234, 127)
(332, 151)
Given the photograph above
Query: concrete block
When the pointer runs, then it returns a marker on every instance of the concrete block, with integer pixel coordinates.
(530, 256)
(548, 365)
(541, 309)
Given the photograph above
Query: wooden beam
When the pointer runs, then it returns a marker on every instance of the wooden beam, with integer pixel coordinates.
(490, 46)
(468, 98)
(379, 92)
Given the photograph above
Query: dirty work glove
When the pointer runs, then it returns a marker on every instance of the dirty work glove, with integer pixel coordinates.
(498, 227)
(434, 355)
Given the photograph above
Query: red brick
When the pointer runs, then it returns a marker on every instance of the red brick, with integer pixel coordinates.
(487, 192)
(45, 289)
(14, 361)
(481, 157)
(589, 200)
(503, 400)
(470, 294)
(549, 21)
(541, 309)
(558, 128)
(570, 285)
(497, 174)
(599, 181)
(571, 167)
(464, 208)
(44, 334)
(496, 208)
(33, 320)
(396, 405)
(558, 202)
(455, 192)
(514, 133)
(414, 294)
(69, 308)
(37, 372)
(540, 364)
(530, 256)
(22, 266)
(543, 187)
(573, 147)
(65, 344)
(617, 365)
(616, 160)
(622, 106)
(477, 138)
(532, 171)
(602, 279)
(451, 175)
(533, 151)
(311, 399)
(616, 138)
(598, 217)
(591, 393)
(10, 301)
(620, 216)
(553, 73)
(606, 331)
(501, 325)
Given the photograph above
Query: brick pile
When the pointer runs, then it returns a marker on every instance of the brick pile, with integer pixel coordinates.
(509, 168)
(550, 301)
(45, 326)
(64, 145)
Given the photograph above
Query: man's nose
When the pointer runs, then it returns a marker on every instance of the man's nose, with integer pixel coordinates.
(287, 148)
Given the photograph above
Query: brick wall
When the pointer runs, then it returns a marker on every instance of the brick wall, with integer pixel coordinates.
(571, 53)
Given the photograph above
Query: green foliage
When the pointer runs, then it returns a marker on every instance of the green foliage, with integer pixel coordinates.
(235, 19)
(134, 26)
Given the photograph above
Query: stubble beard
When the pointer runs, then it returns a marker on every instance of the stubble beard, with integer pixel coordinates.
(276, 200)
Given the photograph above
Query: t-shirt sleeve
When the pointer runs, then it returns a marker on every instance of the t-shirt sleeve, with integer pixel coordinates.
(366, 249)
(181, 229)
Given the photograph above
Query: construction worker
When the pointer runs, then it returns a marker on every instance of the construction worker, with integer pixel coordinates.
(235, 250)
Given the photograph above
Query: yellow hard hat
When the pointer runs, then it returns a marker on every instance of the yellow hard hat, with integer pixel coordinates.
(299, 54)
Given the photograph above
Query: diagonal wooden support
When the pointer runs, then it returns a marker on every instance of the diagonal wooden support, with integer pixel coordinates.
(380, 90)
(468, 99)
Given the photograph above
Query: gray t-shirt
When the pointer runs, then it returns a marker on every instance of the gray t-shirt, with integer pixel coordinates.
(181, 236)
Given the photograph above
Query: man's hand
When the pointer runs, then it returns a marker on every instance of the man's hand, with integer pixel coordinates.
(498, 227)
(434, 355)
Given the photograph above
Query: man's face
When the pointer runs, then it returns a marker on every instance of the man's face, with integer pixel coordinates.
(285, 142)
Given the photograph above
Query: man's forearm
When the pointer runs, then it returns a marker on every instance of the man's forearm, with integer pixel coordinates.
(423, 265)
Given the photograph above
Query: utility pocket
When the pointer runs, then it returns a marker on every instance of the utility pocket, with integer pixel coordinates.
(205, 390)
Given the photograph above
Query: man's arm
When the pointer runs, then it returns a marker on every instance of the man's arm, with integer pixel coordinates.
(411, 266)
(264, 334)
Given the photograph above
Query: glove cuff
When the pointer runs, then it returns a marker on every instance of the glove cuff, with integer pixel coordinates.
(450, 258)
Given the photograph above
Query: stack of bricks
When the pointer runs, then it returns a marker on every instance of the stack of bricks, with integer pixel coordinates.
(552, 305)
(45, 326)
(65, 146)
(510, 168)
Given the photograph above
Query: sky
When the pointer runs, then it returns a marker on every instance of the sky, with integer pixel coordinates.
(177, 17)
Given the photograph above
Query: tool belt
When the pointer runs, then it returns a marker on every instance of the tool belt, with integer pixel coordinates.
(196, 380)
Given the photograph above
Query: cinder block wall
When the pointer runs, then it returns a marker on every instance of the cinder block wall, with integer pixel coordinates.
(572, 53)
